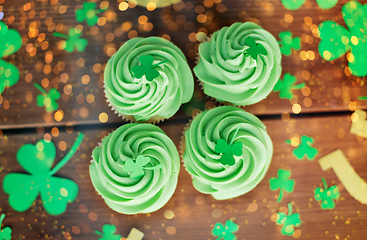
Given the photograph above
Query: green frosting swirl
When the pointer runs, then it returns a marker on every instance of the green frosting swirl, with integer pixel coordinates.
(144, 194)
(203, 163)
(143, 99)
(230, 75)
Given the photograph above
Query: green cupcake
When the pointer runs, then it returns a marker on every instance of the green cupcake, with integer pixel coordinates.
(240, 64)
(135, 169)
(148, 78)
(227, 152)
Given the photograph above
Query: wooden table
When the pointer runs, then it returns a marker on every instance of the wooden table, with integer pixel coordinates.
(323, 108)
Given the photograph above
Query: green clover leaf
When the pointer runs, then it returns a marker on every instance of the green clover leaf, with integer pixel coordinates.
(336, 40)
(288, 221)
(225, 232)
(73, 41)
(327, 195)
(227, 151)
(295, 4)
(88, 13)
(254, 49)
(288, 43)
(136, 169)
(55, 192)
(282, 182)
(5, 233)
(146, 68)
(286, 86)
(304, 149)
(11, 41)
(48, 100)
(108, 233)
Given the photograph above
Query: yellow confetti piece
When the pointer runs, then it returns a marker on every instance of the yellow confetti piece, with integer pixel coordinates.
(359, 123)
(135, 234)
(352, 182)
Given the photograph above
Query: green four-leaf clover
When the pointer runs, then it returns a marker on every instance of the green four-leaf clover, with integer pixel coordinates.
(337, 40)
(285, 87)
(108, 233)
(288, 43)
(288, 221)
(5, 233)
(146, 68)
(282, 182)
(136, 169)
(304, 149)
(255, 49)
(11, 41)
(327, 195)
(73, 40)
(55, 192)
(225, 232)
(48, 100)
(88, 13)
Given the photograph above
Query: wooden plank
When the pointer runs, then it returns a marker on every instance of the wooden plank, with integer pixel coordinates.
(194, 213)
(328, 88)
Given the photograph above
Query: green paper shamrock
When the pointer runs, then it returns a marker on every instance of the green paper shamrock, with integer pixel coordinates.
(38, 159)
(228, 151)
(305, 149)
(136, 169)
(255, 49)
(288, 221)
(282, 182)
(295, 4)
(5, 234)
(327, 195)
(48, 100)
(225, 232)
(88, 13)
(73, 40)
(336, 40)
(288, 43)
(146, 68)
(108, 233)
(286, 86)
(11, 41)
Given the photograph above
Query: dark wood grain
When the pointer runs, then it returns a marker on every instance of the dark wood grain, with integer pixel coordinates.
(193, 221)
(329, 88)
(332, 94)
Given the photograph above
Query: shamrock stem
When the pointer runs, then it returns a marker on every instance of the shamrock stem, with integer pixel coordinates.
(155, 65)
(324, 182)
(100, 10)
(235, 134)
(290, 209)
(71, 152)
(40, 88)
(98, 233)
(280, 195)
(262, 60)
(1, 219)
(362, 98)
(299, 86)
(153, 168)
(288, 141)
(56, 34)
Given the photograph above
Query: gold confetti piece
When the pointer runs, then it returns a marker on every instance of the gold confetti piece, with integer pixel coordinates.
(352, 182)
(359, 123)
(135, 234)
